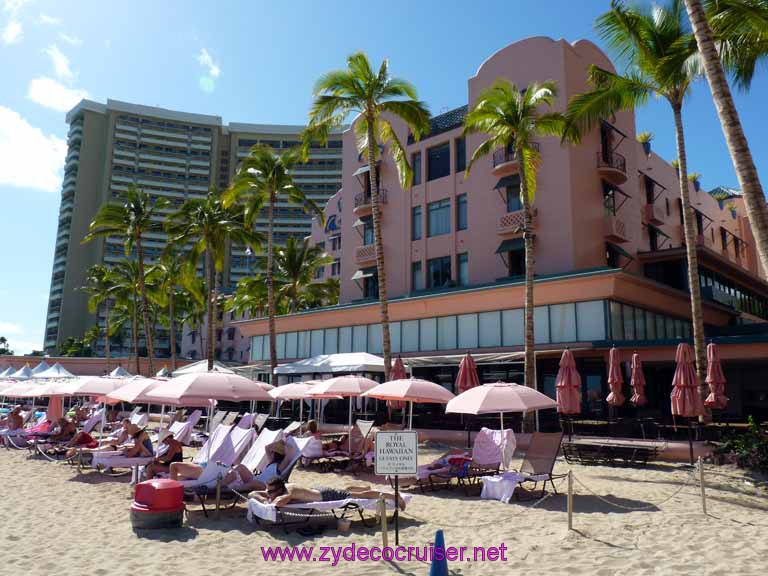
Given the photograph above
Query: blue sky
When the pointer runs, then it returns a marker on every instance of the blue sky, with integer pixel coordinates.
(253, 62)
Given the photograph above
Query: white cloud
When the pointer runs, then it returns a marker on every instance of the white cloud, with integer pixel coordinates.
(71, 40)
(54, 95)
(8, 328)
(48, 19)
(206, 61)
(60, 62)
(31, 158)
(20, 347)
(13, 32)
(13, 6)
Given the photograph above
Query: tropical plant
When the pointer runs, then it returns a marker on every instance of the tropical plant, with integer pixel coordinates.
(4, 347)
(125, 275)
(741, 29)
(655, 44)
(131, 218)
(378, 98)
(264, 178)
(297, 264)
(209, 227)
(168, 294)
(512, 119)
(645, 137)
(250, 297)
(101, 286)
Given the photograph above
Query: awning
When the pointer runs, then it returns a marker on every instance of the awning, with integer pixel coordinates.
(358, 223)
(362, 170)
(510, 245)
(507, 181)
(660, 231)
(361, 274)
(621, 251)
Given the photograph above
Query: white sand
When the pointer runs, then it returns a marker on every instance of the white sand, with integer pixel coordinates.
(56, 521)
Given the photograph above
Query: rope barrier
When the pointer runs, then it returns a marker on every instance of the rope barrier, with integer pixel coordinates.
(746, 479)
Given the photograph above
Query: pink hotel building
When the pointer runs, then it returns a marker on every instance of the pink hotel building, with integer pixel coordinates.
(610, 260)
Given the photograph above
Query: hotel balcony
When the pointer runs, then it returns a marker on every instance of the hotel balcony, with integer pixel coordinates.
(615, 229)
(511, 224)
(612, 167)
(653, 215)
(365, 254)
(505, 161)
(363, 204)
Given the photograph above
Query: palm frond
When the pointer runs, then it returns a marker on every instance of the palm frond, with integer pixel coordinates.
(388, 136)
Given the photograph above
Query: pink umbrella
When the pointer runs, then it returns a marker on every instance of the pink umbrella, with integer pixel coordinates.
(410, 390)
(397, 373)
(615, 379)
(638, 382)
(201, 386)
(295, 391)
(686, 400)
(467, 377)
(568, 385)
(716, 379)
(98, 386)
(343, 386)
(135, 391)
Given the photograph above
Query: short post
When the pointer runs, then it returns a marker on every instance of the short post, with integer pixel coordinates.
(383, 513)
(701, 483)
(570, 500)
(397, 510)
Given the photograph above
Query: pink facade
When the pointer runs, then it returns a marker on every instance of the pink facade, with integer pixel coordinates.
(231, 345)
(574, 228)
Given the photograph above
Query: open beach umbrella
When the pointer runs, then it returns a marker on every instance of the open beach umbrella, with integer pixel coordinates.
(686, 400)
(134, 390)
(568, 385)
(716, 379)
(467, 377)
(294, 391)
(23, 373)
(199, 386)
(40, 367)
(615, 379)
(410, 390)
(638, 382)
(345, 386)
(98, 385)
(120, 372)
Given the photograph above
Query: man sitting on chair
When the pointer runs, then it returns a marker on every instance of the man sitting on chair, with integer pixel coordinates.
(250, 481)
(280, 494)
(13, 421)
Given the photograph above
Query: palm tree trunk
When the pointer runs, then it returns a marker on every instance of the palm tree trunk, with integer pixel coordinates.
(172, 328)
(135, 334)
(145, 306)
(271, 312)
(691, 234)
(754, 200)
(530, 265)
(379, 246)
(106, 335)
(211, 306)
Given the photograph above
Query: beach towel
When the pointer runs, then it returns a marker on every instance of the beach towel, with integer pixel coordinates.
(271, 513)
(493, 447)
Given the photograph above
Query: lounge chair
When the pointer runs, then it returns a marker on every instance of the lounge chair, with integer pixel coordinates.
(218, 418)
(230, 418)
(292, 428)
(442, 465)
(540, 460)
(259, 421)
(141, 420)
(182, 431)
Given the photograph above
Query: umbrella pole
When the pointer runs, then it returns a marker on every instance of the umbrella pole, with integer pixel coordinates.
(501, 418)
(162, 415)
(410, 416)
(301, 410)
(350, 415)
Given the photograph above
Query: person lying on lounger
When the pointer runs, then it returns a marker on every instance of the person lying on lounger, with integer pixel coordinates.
(279, 493)
(249, 481)
(162, 464)
(63, 431)
(88, 444)
(14, 420)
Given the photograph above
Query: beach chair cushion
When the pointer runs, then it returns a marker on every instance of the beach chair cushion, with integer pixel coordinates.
(256, 458)
(271, 513)
(218, 448)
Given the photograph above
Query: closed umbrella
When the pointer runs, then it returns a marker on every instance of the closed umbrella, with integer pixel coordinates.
(615, 379)
(568, 387)
(638, 382)
(345, 386)
(467, 377)
(716, 379)
(410, 390)
(686, 400)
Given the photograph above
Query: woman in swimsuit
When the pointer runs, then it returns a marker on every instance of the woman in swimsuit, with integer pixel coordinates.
(250, 481)
(280, 494)
(162, 464)
(142, 443)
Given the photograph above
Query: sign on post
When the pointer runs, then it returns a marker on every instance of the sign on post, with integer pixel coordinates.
(396, 454)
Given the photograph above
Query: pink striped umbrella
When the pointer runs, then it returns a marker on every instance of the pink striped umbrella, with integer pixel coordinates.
(615, 378)
(467, 377)
(397, 373)
(716, 379)
(568, 385)
(686, 400)
(638, 382)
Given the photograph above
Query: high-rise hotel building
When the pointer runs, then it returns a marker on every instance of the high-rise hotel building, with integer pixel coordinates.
(170, 154)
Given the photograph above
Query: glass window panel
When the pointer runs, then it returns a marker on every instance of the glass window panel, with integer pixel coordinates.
(331, 345)
(416, 222)
(316, 346)
(590, 320)
(540, 325)
(463, 272)
(417, 277)
(265, 348)
(410, 335)
(446, 333)
(490, 329)
(617, 326)
(303, 345)
(416, 166)
(345, 339)
(428, 334)
(650, 325)
(686, 329)
(438, 161)
(359, 338)
(280, 345)
(678, 328)
(512, 327)
(562, 322)
(461, 212)
(376, 339)
(670, 325)
(291, 343)
(629, 323)
(468, 331)
(661, 331)
(394, 336)
(439, 217)
(257, 342)
(639, 324)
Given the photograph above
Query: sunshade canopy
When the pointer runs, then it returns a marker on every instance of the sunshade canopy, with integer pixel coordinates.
(342, 386)
(334, 364)
(499, 397)
(199, 386)
(410, 389)
(55, 371)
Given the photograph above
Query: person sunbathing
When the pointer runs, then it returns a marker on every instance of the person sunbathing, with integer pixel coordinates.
(142, 443)
(279, 493)
(249, 481)
(14, 420)
(63, 431)
(88, 444)
(162, 464)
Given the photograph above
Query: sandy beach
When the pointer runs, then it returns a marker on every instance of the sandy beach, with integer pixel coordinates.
(56, 520)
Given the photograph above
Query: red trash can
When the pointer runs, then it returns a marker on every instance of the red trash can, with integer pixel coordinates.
(158, 504)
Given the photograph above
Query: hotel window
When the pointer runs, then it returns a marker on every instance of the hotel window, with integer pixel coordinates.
(336, 267)
(653, 238)
(463, 265)
(724, 239)
(321, 246)
(416, 223)
(699, 222)
(416, 166)
(649, 190)
(439, 217)
(336, 242)
(609, 199)
(320, 273)
(461, 212)
(371, 283)
(666, 202)
(438, 161)
(367, 230)
(513, 195)
(439, 272)
(461, 154)
(417, 278)
(516, 262)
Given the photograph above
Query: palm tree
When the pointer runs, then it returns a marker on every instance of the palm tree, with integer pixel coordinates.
(512, 119)
(168, 293)
(297, 264)
(264, 177)
(101, 287)
(250, 296)
(131, 220)
(656, 44)
(209, 226)
(743, 32)
(376, 97)
(125, 276)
